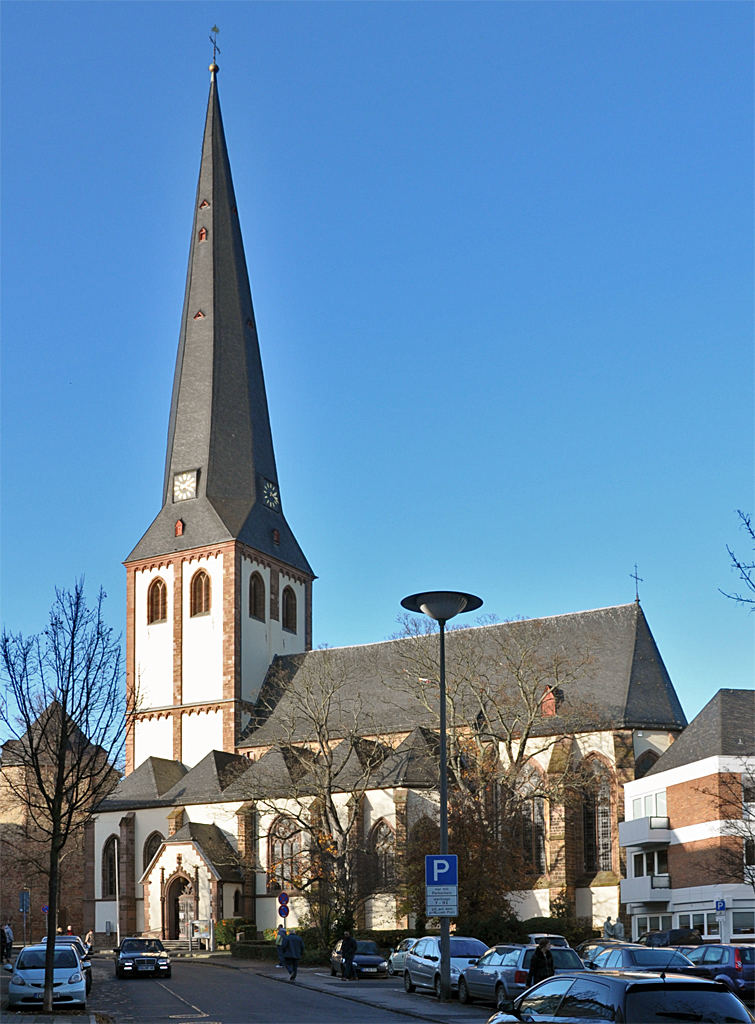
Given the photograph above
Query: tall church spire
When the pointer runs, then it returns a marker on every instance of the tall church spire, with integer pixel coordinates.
(221, 481)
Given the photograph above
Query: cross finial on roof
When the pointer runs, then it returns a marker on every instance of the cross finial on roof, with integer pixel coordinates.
(637, 580)
(215, 49)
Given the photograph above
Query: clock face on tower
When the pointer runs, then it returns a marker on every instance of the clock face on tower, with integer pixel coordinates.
(270, 495)
(185, 485)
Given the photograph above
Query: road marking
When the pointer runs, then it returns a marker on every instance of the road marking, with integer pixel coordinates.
(176, 1016)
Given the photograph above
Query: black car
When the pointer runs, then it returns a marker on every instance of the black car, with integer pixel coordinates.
(648, 961)
(630, 998)
(141, 956)
(672, 937)
(369, 962)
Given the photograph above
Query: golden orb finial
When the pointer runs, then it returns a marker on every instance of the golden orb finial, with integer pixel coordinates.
(214, 68)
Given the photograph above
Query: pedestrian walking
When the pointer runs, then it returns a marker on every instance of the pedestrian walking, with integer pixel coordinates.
(542, 963)
(349, 948)
(8, 941)
(279, 937)
(3, 954)
(69, 930)
(89, 940)
(293, 951)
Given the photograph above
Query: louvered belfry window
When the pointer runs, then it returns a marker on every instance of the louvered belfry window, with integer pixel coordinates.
(157, 601)
(200, 593)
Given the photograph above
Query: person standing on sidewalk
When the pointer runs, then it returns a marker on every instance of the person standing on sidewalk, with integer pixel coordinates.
(293, 951)
(8, 941)
(279, 937)
(348, 952)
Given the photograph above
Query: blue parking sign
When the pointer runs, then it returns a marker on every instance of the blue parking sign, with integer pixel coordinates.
(441, 869)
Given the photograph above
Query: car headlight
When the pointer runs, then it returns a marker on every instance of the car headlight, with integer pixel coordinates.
(74, 978)
(454, 970)
(384, 963)
(17, 980)
(163, 963)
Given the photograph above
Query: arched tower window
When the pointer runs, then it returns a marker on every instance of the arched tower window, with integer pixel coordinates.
(289, 610)
(284, 854)
(109, 874)
(236, 902)
(151, 846)
(531, 814)
(382, 848)
(157, 601)
(597, 821)
(644, 763)
(200, 593)
(257, 596)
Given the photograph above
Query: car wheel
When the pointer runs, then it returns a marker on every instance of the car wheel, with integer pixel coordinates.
(464, 996)
(88, 988)
(501, 999)
(118, 974)
(391, 970)
(408, 984)
(438, 987)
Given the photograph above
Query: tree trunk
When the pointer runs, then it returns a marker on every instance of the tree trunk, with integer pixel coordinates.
(52, 923)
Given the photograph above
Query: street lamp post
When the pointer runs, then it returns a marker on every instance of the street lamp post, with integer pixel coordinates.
(443, 605)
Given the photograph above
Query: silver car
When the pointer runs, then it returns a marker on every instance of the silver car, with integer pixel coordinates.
(422, 964)
(398, 956)
(27, 983)
(502, 973)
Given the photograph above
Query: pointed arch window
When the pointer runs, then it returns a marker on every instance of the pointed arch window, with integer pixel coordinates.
(237, 902)
(109, 872)
(202, 234)
(597, 821)
(382, 851)
(157, 601)
(151, 846)
(284, 854)
(289, 610)
(257, 597)
(200, 593)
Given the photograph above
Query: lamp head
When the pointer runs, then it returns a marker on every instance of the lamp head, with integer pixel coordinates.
(441, 605)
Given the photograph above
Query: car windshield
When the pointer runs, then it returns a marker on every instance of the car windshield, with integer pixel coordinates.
(659, 958)
(367, 949)
(33, 959)
(141, 946)
(693, 1004)
(564, 959)
(467, 947)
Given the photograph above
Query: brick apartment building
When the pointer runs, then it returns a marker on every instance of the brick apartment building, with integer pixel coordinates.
(689, 828)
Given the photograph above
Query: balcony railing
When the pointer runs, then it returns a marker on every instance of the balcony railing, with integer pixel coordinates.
(644, 832)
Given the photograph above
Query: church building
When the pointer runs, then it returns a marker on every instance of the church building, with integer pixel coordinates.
(219, 637)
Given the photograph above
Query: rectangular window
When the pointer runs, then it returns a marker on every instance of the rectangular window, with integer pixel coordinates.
(662, 862)
(642, 926)
(698, 921)
(637, 808)
(639, 865)
(743, 922)
(660, 804)
(684, 920)
(665, 921)
(649, 806)
(655, 923)
(712, 924)
(649, 863)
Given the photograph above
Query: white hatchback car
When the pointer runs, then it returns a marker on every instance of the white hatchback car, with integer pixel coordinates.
(27, 983)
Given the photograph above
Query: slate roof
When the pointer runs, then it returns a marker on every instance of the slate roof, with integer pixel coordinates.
(214, 847)
(17, 751)
(209, 779)
(219, 422)
(147, 786)
(622, 683)
(725, 727)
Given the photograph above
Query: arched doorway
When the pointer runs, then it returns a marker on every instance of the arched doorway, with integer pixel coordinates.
(180, 907)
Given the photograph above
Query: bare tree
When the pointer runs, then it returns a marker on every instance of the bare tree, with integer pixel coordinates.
(64, 712)
(328, 742)
(731, 800)
(512, 708)
(745, 570)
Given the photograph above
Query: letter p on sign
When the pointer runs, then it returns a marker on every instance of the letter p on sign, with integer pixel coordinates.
(441, 869)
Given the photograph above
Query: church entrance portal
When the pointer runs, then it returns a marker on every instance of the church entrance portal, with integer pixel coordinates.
(180, 903)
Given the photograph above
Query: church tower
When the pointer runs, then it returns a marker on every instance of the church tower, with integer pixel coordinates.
(218, 585)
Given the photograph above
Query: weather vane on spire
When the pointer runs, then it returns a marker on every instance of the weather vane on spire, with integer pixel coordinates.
(637, 580)
(214, 41)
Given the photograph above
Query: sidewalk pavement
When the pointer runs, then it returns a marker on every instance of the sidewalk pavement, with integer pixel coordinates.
(369, 992)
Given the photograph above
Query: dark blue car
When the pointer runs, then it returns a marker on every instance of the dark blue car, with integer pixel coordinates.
(732, 964)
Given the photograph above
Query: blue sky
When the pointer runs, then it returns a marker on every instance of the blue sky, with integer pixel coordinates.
(502, 263)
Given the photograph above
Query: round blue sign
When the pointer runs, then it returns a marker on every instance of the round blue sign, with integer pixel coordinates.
(283, 911)
(45, 909)
(283, 898)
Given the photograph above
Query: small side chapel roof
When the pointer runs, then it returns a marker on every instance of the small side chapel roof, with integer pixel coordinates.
(213, 847)
(724, 727)
(146, 786)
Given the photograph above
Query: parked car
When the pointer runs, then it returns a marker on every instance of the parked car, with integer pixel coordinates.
(369, 962)
(501, 973)
(731, 963)
(141, 956)
(632, 998)
(587, 951)
(27, 983)
(84, 952)
(422, 963)
(640, 958)
(671, 937)
(555, 940)
(398, 956)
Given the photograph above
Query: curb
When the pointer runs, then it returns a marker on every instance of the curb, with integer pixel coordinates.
(337, 995)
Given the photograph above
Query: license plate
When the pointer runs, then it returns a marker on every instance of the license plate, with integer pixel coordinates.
(146, 967)
(370, 970)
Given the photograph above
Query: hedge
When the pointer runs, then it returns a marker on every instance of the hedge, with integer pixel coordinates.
(227, 929)
(269, 953)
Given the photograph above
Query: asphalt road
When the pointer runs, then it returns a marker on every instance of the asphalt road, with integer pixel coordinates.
(200, 993)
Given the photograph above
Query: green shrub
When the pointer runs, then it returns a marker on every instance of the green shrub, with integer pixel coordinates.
(268, 953)
(226, 930)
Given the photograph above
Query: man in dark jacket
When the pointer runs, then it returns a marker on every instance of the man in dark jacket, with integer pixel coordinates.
(292, 948)
(542, 963)
(348, 952)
